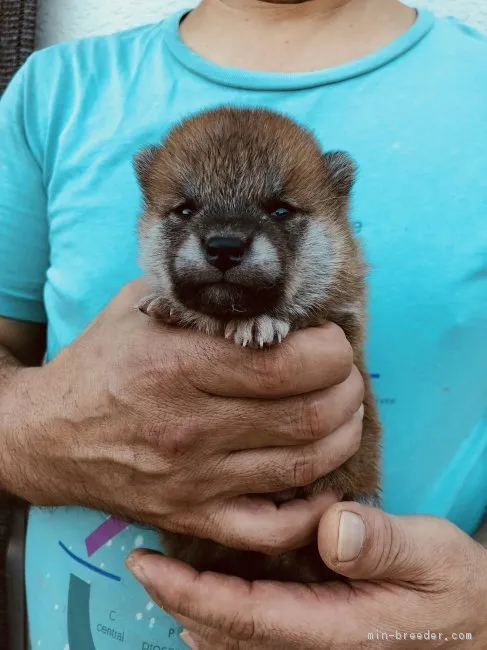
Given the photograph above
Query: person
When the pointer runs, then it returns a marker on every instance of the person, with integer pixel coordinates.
(108, 418)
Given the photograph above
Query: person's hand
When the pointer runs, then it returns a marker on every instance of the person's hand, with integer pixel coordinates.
(410, 576)
(171, 427)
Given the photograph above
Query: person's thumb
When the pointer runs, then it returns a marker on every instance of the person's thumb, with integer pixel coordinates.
(364, 543)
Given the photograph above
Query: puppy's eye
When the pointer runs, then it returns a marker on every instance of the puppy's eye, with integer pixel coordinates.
(185, 210)
(279, 210)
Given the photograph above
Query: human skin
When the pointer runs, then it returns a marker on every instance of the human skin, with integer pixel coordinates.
(33, 419)
(408, 576)
(421, 566)
(171, 428)
(292, 36)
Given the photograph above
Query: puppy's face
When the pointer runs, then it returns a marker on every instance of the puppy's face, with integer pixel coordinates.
(243, 214)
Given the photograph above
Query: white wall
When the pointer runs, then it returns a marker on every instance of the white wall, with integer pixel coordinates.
(61, 20)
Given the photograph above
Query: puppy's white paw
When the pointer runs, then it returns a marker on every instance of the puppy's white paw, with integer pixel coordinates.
(257, 332)
(157, 307)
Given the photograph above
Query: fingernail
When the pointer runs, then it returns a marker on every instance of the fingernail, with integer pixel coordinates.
(351, 533)
(139, 561)
(188, 640)
(133, 565)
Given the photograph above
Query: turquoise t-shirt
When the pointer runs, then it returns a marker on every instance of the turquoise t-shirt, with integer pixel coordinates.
(414, 116)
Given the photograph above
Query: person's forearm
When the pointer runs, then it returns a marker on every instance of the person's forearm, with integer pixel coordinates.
(481, 534)
(9, 369)
(8, 365)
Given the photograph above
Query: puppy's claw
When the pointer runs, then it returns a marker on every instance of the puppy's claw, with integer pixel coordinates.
(157, 307)
(230, 329)
(257, 332)
(144, 303)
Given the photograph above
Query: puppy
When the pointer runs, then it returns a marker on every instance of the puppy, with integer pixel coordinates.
(245, 234)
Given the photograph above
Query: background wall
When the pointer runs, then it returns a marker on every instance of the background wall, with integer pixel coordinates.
(60, 20)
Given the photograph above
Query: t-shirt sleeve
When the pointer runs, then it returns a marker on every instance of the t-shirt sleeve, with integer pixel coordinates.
(24, 252)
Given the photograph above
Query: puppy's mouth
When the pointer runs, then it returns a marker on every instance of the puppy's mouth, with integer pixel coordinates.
(227, 300)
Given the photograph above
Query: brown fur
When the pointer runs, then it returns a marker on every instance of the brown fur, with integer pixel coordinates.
(232, 167)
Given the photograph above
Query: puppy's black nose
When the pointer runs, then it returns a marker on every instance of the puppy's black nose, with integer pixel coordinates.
(225, 252)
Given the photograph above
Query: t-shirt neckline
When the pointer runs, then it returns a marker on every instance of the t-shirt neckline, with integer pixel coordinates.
(251, 80)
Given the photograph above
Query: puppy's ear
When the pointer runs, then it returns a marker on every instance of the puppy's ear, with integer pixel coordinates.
(143, 162)
(341, 171)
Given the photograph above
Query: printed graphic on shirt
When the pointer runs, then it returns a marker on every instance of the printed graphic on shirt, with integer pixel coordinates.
(87, 595)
